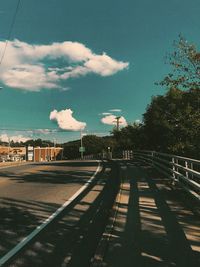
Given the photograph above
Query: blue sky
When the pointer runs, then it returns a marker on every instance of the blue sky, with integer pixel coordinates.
(135, 35)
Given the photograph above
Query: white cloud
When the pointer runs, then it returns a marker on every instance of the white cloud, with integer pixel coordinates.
(105, 113)
(115, 110)
(24, 66)
(15, 138)
(104, 65)
(64, 89)
(44, 131)
(66, 121)
(28, 77)
(138, 121)
(111, 120)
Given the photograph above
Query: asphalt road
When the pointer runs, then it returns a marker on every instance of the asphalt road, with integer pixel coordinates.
(31, 193)
(151, 223)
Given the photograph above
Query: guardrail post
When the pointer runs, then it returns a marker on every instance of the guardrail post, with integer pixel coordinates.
(192, 168)
(176, 168)
(152, 156)
(186, 172)
(173, 168)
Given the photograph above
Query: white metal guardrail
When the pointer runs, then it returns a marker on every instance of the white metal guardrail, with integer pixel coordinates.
(185, 171)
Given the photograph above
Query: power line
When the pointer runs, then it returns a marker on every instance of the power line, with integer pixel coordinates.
(10, 31)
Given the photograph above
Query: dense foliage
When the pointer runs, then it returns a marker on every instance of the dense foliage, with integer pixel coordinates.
(171, 122)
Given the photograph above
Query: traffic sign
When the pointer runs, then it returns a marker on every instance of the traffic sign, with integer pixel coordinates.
(81, 149)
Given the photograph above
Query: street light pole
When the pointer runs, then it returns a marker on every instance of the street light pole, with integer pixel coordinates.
(9, 147)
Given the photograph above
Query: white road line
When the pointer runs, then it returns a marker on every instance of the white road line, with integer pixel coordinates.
(39, 228)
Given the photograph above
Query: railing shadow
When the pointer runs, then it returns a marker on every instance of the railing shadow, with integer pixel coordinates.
(146, 234)
(150, 235)
(18, 218)
(180, 248)
(75, 232)
(53, 176)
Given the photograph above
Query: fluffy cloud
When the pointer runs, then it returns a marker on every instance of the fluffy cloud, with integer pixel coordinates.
(111, 120)
(66, 121)
(15, 138)
(24, 65)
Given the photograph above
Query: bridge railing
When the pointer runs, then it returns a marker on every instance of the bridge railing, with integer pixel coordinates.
(184, 171)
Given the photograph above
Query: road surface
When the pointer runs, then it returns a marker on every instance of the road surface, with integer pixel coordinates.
(150, 224)
(31, 193)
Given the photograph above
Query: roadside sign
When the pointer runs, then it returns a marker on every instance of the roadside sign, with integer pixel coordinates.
(81, 149)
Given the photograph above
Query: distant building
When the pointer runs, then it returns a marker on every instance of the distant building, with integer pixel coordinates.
(8, 153)
(47, 153)
(30, 153)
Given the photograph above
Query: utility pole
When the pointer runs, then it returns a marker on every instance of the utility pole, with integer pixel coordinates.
(117, 122)
(54, 149)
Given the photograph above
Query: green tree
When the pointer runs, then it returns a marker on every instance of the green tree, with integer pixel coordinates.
(130, 137)
(185, 62)
(93, 144)
(39, 142)
(172, 122)
(71, 149)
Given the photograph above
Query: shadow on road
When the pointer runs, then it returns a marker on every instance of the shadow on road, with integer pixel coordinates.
(49, 175)
(17, 218)
(153, 227)
(72, 239)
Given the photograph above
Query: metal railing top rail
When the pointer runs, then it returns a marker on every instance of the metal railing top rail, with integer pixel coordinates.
(170, 163)
(196, 161)
(183, 172)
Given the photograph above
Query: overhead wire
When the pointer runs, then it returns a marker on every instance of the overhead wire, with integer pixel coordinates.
(10, 31)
